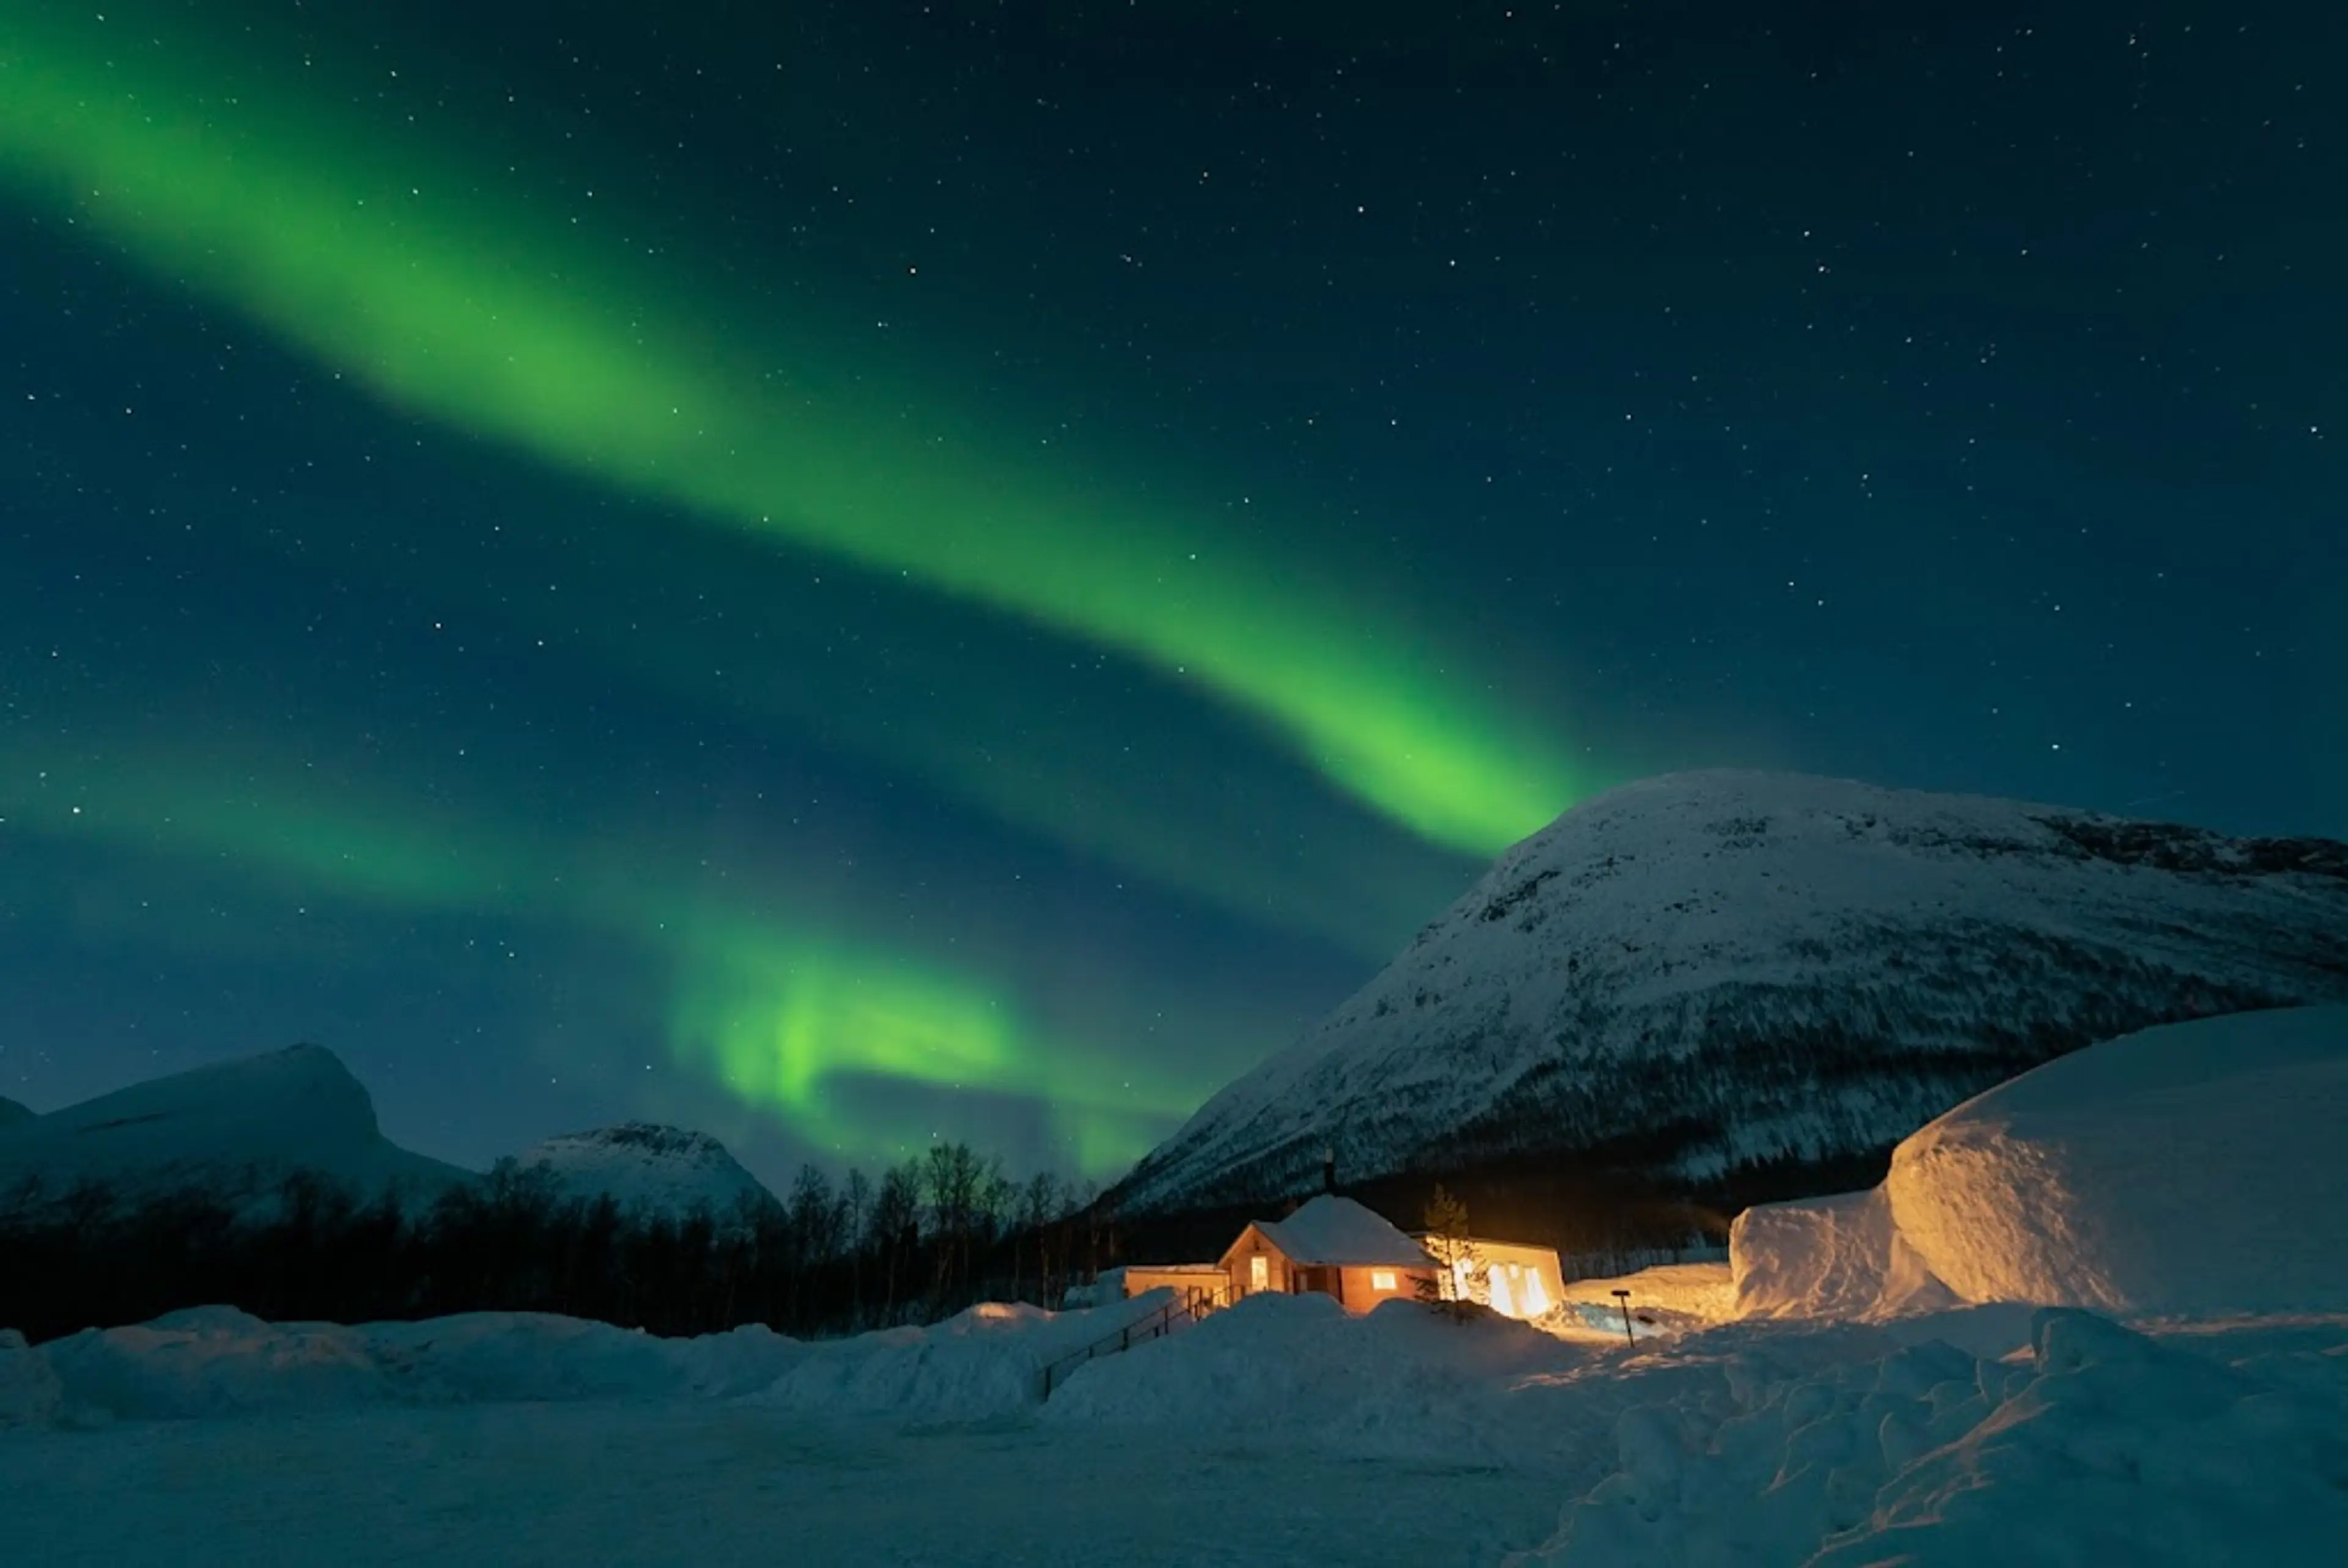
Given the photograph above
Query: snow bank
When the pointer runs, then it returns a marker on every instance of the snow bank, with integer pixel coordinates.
(1669, 1299)
(981, 1363)
(1399, 1380)
(216, 1360)
(29, 1387)
(1106, 1289)
(2105, 1445)
(1839, 1257)
(2191, 1169)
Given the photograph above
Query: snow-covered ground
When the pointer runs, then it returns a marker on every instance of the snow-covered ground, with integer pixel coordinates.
(1280, 1432)
(1867, 1410)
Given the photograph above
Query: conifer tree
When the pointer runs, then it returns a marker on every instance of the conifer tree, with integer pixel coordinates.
(1451, 1287)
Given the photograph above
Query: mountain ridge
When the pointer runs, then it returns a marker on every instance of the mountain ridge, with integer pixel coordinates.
(239, 1128)
(1707, 972)
(647, 1166)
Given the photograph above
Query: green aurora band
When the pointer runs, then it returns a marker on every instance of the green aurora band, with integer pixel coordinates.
(782, 1010)
(399, 271)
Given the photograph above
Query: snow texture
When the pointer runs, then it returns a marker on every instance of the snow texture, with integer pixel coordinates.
(219, 1361)
(2186, 1170)
(1761, 965)
(1669, 1299)
(28, 1384)
(1329, 1231)
(982, 1364)
(1282, 1430)
(236, 1129)
(664, 1172)
(2105, 1446)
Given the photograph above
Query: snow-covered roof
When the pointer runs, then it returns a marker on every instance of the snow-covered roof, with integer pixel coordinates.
(1330, 1231)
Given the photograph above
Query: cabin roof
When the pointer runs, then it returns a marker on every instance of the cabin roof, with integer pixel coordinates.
(1330, 1231)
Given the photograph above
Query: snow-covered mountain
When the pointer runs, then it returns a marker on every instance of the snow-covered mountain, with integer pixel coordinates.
(1707, 972)
(12, 1112)
(236, 1129)
(649, 1169)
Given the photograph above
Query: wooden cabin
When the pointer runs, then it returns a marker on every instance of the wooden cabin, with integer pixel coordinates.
(1334, 1246)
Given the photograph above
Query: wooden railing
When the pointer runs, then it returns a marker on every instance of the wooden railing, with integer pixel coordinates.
(1188, 1308)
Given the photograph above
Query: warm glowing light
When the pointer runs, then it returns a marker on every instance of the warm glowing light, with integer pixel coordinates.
(1382, 1279)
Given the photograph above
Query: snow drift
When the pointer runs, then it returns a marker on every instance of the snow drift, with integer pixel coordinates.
(2105, 1445)
(1397, 1380)
(217, 1361)
(2189, 1169)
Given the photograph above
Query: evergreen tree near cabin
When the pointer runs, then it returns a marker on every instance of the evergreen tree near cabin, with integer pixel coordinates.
(1452, 1287)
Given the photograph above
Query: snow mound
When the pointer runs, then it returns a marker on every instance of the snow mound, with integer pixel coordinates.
(1668, 1298)
(2190, 1168)
(1398, 1380)
(237, 1129)
(217, 1361)
(1839, 1257)
(646, 1168)
(983, 1364)
(2106, 1447)
(28, 1387)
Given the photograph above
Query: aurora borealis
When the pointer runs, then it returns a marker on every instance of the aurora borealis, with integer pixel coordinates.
(869, 573)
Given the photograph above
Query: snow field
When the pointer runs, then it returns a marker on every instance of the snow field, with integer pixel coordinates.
(1277, 1431)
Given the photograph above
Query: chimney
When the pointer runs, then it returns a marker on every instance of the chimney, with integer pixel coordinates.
(1329, 1171)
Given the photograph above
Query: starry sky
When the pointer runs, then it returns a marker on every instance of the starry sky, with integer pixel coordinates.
(847, 574)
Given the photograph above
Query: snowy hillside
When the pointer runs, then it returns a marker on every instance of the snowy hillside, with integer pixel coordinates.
(649, 1169)
(1707, 970)
(11, 1113)
(237, 1129)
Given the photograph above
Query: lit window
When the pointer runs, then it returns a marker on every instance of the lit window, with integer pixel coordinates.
(1259, 1273)
(1382, 1279)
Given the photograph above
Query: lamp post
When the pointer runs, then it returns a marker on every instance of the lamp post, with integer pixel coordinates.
(1624, 1298)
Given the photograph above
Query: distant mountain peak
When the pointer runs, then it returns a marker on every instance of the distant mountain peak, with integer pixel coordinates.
(1712, 970)
(235, 1128)
(651, 1137)
(647, 1166)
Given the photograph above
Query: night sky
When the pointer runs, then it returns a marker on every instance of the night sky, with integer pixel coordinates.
(848, 573)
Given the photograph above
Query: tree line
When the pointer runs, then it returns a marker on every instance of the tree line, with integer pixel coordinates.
(927, 1238)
